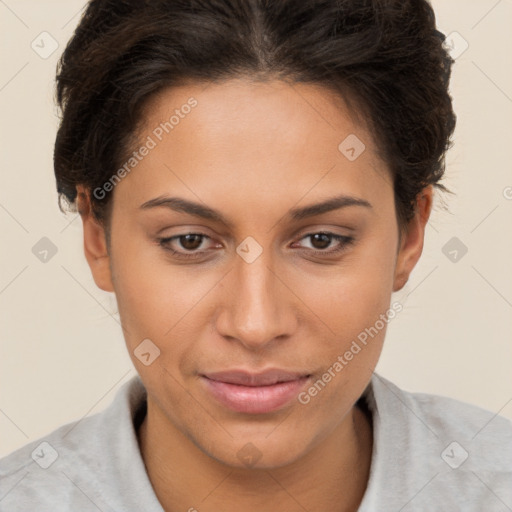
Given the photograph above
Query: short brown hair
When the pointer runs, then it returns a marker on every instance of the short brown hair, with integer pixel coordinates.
(385, 55)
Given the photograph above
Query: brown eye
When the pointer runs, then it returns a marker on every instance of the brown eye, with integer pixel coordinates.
(190, 242)
(320, 240)
(188, 245)
(320, 243)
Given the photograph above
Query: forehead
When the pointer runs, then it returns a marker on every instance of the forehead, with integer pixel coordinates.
(243, 138)
(241, 108)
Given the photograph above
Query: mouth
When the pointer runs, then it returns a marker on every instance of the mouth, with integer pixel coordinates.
(252, 393)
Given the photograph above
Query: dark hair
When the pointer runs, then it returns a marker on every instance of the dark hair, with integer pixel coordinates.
(385, 57)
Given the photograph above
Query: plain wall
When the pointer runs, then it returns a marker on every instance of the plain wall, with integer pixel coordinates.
(62, 352)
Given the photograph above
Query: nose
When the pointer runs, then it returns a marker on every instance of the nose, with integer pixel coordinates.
(258, 308)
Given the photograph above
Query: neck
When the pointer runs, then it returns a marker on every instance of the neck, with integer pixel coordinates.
(332, 477)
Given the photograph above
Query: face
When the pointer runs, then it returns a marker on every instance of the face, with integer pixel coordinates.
(257, 310)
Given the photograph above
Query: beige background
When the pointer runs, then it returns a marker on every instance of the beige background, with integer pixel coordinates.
(62, 352)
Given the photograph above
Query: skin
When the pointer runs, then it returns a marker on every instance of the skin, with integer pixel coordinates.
(253, 151)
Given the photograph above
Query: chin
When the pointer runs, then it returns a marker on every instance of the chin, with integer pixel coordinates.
(261, 451)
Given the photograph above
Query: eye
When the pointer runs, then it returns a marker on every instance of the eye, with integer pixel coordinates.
(189, 242)
(322, 240)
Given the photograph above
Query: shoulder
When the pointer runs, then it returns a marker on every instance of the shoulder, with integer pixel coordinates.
(80, 465)
(445, 412)
(43, 472)
(448, 418)
(446, 453)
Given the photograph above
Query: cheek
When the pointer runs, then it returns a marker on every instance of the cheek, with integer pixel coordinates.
(357, 310)
(153, 296)
(353, 295)
(169, 304)
(355, 304)
(158, 302)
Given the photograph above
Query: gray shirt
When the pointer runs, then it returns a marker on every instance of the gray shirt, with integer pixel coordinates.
(430, 453)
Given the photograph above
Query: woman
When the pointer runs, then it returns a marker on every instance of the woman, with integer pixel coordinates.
(254, 180)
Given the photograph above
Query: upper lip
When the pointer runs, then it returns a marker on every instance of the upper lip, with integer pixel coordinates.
(244, 378)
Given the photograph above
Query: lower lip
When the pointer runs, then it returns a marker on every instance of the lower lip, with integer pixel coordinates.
(255, 399)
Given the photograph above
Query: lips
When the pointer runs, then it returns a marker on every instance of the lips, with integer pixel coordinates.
(254, 393)
(242, 378)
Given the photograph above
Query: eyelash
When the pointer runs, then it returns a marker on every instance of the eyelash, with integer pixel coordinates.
(345, 242)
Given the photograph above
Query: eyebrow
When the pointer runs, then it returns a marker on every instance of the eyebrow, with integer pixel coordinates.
(199, 210)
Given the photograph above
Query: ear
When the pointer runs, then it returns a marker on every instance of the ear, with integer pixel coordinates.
(411, 245)
(95, 244)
